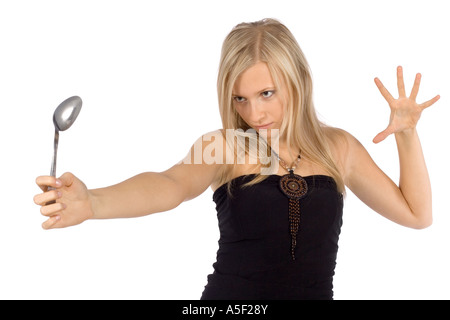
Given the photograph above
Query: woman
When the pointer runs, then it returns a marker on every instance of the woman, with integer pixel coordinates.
(279, 224)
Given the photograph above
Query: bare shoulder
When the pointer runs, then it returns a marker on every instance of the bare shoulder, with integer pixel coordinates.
(201, 167)
(344, 147)
(340, 138)
(337, 142)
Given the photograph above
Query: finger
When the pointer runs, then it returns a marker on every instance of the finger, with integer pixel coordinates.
(48, 181)
(384, 92)
(52, 209)
(382, 135)
(400, 83)
(430, 102)
(51, 222)
(415, 89)
(43, 198)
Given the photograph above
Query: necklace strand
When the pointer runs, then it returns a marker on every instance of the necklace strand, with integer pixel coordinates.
(294, 164)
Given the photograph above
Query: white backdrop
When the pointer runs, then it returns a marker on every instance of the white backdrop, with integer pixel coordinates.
(146, 72)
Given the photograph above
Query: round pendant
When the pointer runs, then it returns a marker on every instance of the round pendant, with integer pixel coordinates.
(293, 186)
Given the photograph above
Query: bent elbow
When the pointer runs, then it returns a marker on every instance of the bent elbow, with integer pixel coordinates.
(423, 224)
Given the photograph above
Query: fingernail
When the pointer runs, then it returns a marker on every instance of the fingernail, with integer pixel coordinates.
(58, 183)
(59, 194)
(57, 218)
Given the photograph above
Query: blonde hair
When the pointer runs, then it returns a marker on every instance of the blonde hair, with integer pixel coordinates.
(271, 42)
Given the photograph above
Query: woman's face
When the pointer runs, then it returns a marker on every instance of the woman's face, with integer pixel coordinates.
(257, 100)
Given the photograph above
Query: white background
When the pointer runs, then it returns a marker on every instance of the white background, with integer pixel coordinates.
(146, 72)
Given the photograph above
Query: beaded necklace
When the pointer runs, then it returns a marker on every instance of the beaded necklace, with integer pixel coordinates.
(295, 188)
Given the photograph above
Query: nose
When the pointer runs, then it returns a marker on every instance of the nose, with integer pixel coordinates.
(257, 112)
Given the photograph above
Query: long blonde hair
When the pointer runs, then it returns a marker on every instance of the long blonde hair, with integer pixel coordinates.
(271, 42)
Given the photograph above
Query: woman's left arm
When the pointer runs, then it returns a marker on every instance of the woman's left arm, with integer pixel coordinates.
(408, 204)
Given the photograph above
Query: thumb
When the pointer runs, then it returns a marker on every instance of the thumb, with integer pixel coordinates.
(382, 135)
(67, 179)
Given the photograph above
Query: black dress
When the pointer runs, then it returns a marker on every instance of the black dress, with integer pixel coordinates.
(254, 256)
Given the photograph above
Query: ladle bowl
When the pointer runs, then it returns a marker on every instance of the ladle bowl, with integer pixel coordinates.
(66, 113)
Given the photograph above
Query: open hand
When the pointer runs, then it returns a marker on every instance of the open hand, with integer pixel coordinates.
(405, 112)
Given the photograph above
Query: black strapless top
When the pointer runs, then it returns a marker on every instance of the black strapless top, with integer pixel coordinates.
(254, 256)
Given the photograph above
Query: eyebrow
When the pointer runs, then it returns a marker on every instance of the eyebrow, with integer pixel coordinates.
(261, 91)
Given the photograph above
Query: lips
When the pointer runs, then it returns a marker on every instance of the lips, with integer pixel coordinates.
(264, 126)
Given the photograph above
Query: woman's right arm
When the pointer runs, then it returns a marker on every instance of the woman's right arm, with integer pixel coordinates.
(143, 194)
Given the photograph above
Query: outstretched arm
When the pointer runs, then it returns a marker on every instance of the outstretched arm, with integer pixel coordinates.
(140, 195)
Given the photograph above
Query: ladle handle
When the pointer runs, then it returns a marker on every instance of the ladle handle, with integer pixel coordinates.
(55, 152)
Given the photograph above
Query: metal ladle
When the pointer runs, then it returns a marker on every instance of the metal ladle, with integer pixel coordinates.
(63, 117)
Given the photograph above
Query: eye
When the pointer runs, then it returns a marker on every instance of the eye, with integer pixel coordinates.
(268, 94)
(238, 99)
